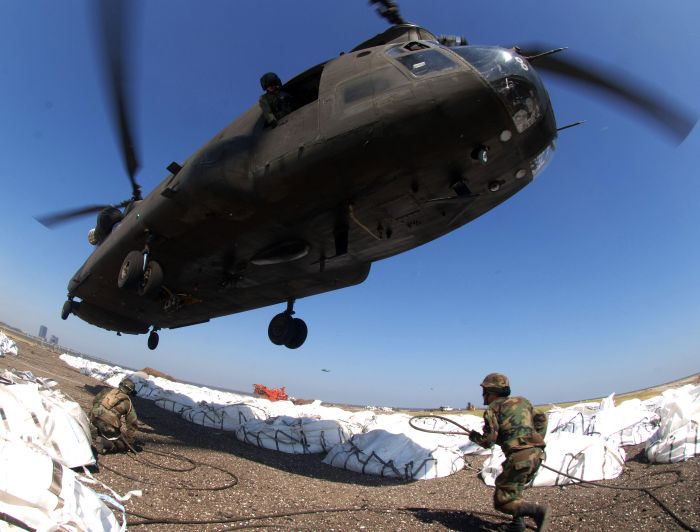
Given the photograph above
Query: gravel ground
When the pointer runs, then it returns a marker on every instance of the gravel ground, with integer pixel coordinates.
(192, 477)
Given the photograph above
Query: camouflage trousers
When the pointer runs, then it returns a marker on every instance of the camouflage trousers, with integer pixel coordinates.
(106, 439)
(519, 468)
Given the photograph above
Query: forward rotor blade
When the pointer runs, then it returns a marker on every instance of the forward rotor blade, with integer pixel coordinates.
(110, 26)
(674, 121)
(52, 220)
(388, 10)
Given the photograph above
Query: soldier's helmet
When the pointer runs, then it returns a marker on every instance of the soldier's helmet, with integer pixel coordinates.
(495, 381)
(270, 79)
(92, 237)
(127, 386)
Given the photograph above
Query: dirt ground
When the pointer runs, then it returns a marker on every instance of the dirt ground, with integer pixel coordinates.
(194, 478)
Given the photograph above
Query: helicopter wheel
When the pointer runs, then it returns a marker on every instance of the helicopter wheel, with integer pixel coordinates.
(152, 278)
(131, 272)
(281, 329)
(67, 309)
(153, 339)
(299, 336)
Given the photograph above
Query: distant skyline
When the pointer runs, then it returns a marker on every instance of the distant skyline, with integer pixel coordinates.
(6, 327)
(583, 284)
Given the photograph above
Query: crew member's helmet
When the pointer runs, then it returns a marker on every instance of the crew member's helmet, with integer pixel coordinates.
(127, 386)
(270, 80)
(92, 237)
(495, 382)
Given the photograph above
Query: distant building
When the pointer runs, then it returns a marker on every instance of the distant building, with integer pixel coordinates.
(53, 340)
(42, 332)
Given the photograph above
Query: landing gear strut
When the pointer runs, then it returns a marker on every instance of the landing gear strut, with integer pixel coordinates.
(286, 330)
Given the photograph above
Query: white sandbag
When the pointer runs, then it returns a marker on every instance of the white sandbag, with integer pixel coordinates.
(443, 424)
(630, 423)
(46, 419)
(678, 437)
(44, 495)
(585, 457)
(576, 419)
(223, 417)
(294, 435)
(7, 345)
(388, 454)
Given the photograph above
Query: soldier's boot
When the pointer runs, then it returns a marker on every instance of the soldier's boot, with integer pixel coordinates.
(103, 445)
(516, 525)
(539, 512)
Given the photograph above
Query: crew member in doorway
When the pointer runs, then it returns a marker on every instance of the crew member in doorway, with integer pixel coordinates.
(114, 419)
(275, 103)
(512, 423)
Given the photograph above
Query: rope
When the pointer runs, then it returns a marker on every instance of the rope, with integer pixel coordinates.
(193, 463)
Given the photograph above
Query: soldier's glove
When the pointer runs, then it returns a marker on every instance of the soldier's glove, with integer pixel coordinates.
(474, 436)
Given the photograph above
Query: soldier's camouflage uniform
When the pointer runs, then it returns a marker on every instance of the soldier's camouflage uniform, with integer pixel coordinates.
(275, 106)
(512, 423)
(113, 416)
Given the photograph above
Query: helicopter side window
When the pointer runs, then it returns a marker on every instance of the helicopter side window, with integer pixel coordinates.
(370, 84)
(425, 62)
(303, 89)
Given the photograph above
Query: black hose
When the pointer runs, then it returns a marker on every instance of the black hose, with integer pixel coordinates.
(233, 482)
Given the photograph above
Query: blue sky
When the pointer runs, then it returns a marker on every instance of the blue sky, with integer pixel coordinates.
(585, 283)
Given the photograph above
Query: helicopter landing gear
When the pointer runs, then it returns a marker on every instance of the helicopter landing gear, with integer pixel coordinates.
(152, 278)
(131, 272)
(67, 309)
(286, 330)
(133, 275)
(153, 339)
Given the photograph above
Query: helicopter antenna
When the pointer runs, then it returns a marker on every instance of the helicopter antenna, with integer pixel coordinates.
(532, 58)
(573, 124)
(389, 10)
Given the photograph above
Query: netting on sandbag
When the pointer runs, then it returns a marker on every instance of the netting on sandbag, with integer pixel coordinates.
(294, 435)
(387, 454)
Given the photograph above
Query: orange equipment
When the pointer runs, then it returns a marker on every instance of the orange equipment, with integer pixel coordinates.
(273, 394)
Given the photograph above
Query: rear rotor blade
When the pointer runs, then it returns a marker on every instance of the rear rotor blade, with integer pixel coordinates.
(51, 220)
(674, 122)
(110, 18)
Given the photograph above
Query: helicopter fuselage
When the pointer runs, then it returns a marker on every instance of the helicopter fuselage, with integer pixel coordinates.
(389, 147)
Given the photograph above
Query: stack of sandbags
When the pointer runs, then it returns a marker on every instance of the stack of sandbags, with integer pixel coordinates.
(678, 436)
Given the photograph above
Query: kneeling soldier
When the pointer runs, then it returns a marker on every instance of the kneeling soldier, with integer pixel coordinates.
(114, 419)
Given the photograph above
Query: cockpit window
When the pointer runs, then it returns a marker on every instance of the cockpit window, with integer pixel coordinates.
(423, 62)
(512, 78)
(415, 46)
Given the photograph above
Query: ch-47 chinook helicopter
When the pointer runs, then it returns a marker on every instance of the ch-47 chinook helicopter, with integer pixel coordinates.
(401, 140)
